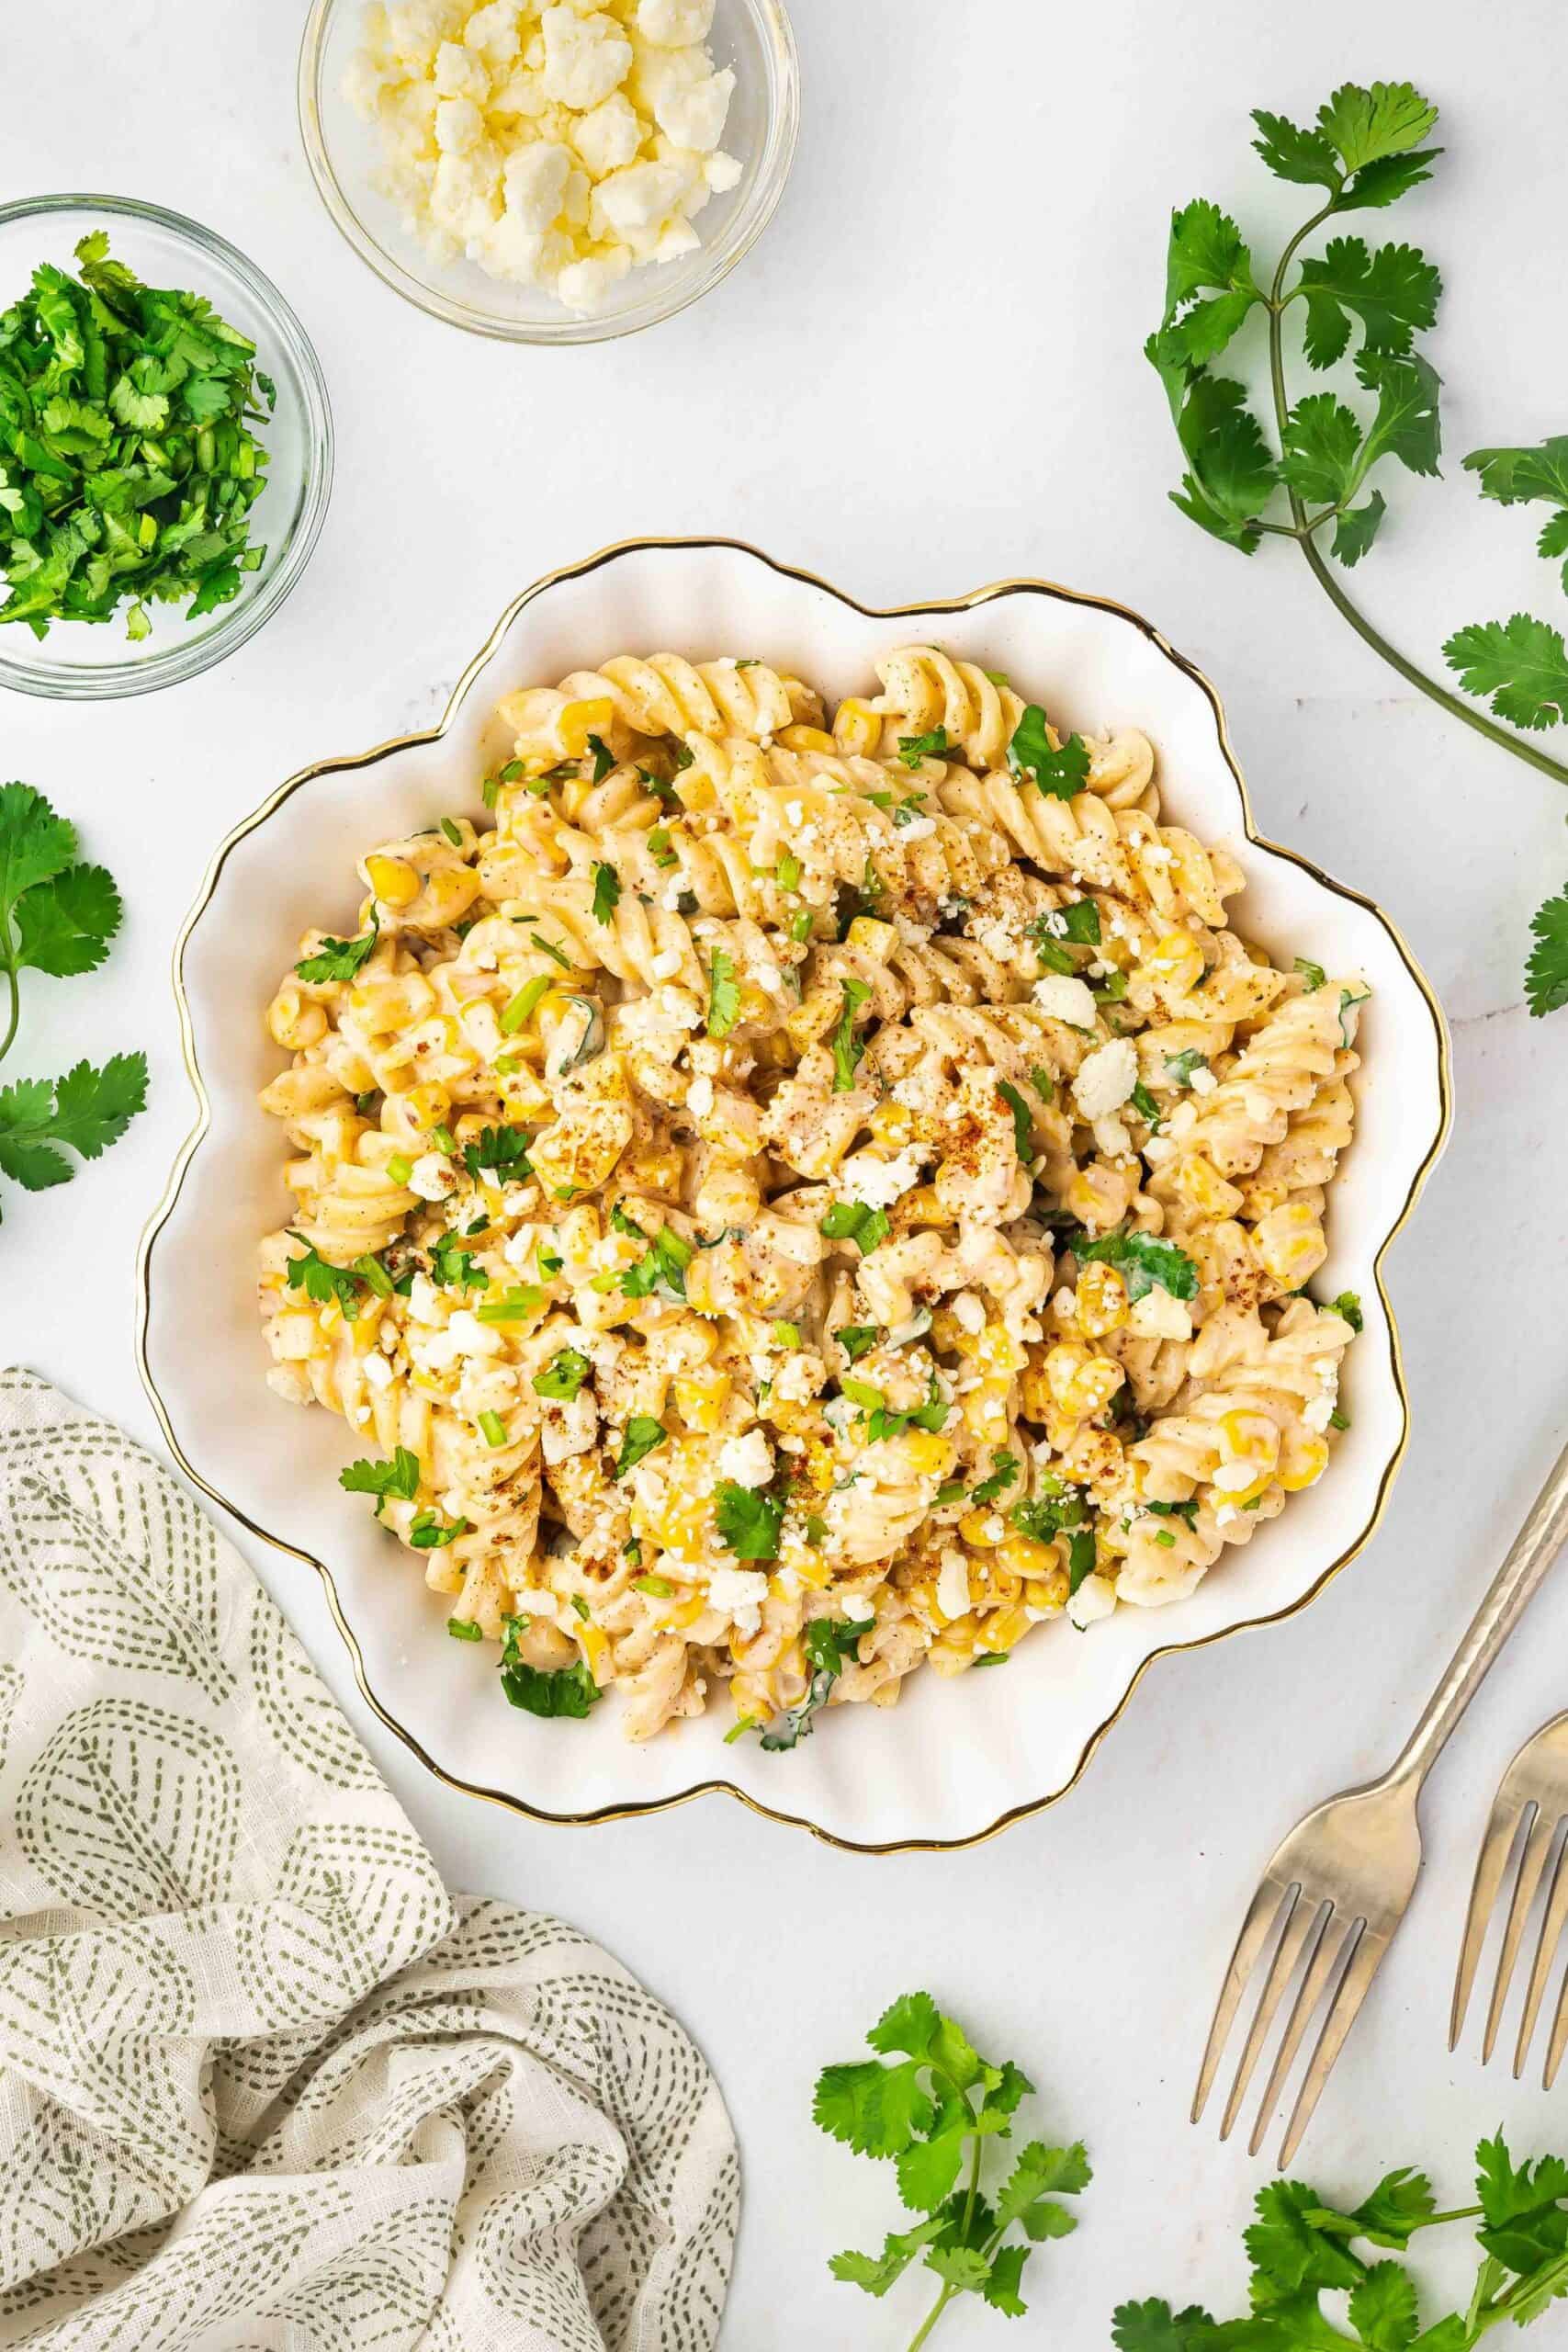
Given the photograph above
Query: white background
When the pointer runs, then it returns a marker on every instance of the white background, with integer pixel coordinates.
(925, 377)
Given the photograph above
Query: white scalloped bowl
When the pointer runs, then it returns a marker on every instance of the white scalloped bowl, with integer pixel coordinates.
(953, 1759)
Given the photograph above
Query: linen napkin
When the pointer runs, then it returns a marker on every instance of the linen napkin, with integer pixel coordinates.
(264, 2084)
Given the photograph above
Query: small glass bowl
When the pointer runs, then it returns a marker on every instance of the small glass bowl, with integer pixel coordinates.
(752, 36)
(95, 660)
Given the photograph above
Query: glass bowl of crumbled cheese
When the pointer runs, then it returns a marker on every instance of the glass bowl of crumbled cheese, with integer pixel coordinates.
(550, 171)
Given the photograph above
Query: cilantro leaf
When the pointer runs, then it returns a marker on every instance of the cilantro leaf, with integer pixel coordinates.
(567, 1691)
(1004, 1470)
(855, 1339)
(1153, 2326)
(876, 2273)
(399, 1477)
(65, 925)
(500, 1151)
(1521, 664)
(1392, 291)
(748, 1520)
(913, 749)
(1357, 528)
(724, 995)
(847, 1045)
(606, 892)
(339, 959)
(1060, 775)
(1305, 156)
(1206, 254)
(644, 1435)
(1512, 475)
(86, 1110)
(830, 1646)
(563, 1375)
(1406, 426)
(1383, 2308)
(663, 1269)
(1322, 441)
(603, 757)
(34, 844)
(1231, 474)
(908, 2026)
(1366, 126)
(1546, 974)
(1141, 1259)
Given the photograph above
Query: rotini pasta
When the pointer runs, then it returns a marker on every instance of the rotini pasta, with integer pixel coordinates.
(796, 1197)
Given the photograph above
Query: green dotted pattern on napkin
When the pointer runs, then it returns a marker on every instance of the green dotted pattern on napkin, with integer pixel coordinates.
(261, 2080)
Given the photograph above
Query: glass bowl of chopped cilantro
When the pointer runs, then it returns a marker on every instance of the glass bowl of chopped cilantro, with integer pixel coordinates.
(165, 447)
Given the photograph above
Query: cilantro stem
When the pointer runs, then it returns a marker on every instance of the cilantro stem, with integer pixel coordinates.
(1302, 530)
(932, 2318)
(10, 1039)
(948, 2289)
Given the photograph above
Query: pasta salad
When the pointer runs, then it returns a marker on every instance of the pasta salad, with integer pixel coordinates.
(794, 1196)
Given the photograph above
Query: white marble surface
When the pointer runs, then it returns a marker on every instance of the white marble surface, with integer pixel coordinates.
(925, 377)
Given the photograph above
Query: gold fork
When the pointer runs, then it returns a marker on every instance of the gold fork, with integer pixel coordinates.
(1337, 1888)
(1531, 1806)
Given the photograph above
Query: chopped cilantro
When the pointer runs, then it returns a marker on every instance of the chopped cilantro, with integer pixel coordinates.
(829, 1647)
(502, 1151)
(1004, 1470)
(1145, 1105)
(644, 1436)
(1312, 974)
(664, 1266)
(568, 1690)
(748, 1520)
(1141, 1259)
(606, 891)
(339, 959)
(1182, 1065)
(724, 995)
(855, 1339)
(1041, 1081)
(322, 1281)
(453, 1266)
(1349, 1305)
(603, 757)
(913, 749)
(399, 1477)
(1061, 775)
(563, 1375)
(848, 1045)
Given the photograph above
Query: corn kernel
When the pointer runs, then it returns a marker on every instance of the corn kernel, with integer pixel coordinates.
(1101, 1300)
(997, 1350)
(1251, 1438)
(928, 1453)
(575, 721)
(797, 738)
(1200, 1184)
(450, 892)
(857, 728)
(393, 879)
(1081, 1384)
(872, 937)
(700, 1399)
(1096, 1197)
(592, 1641)
(1022, 1556)
(892, 1123)
(427, 1105)
(1302, 1460)
(977, 1527)
(1289, 1243)
(1174, 964)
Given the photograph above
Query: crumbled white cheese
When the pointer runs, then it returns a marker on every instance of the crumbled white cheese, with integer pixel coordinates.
(1095, 1599)
(426, 1303)
(431, 1177)
(746, 1461)
(952, 1586)
(699, 1097)
(876, 1182)
(1107, 1077)
(969, 1311)
(377, 1372)
(666, 964)
(1157, 1316)
(740, 1593)
(1065, 998)
(1202, 1080)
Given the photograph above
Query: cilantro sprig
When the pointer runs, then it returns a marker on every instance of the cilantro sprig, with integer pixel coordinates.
(128, 462)
(1302, 2246)
(1365, 303)
(829, 1646)
(58, 917)
(931, 2104)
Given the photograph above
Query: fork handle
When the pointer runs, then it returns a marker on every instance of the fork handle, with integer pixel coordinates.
(1533, 1553)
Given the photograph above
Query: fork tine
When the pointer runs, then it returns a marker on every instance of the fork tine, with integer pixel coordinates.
(1325, 1951)
(1558, 2041)
(1298, 1925)
(1533, 1861)
(1260, 1915)
(1490, 1864)
(1366, 1950)
(1552, 1919)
